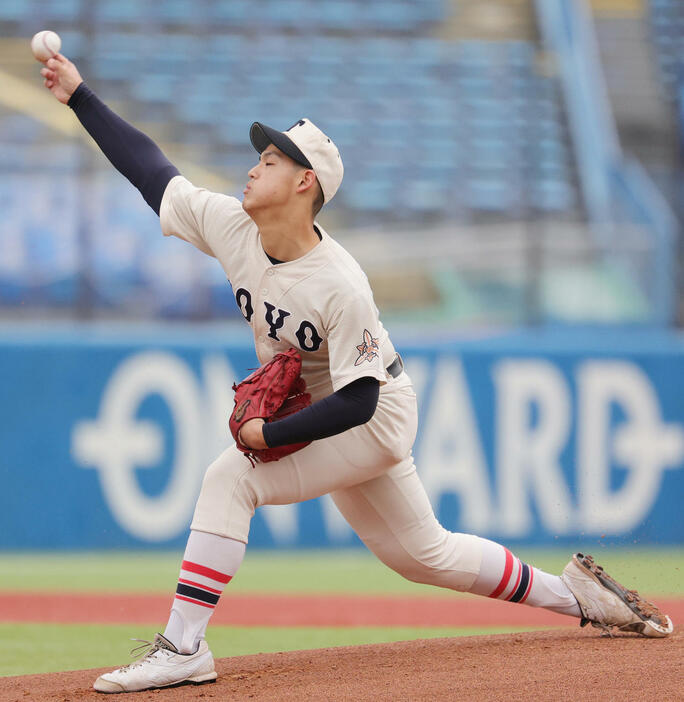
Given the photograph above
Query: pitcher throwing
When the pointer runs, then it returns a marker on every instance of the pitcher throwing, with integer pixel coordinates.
(299, 289)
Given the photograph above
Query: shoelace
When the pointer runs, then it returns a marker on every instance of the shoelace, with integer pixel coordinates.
(143, 651)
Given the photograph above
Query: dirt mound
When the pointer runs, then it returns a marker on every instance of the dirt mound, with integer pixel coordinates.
(570, 664)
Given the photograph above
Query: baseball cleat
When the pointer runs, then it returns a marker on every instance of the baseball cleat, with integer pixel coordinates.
(605, 603)
(161, 665)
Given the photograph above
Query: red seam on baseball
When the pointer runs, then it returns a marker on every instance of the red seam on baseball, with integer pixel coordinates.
(45, 44)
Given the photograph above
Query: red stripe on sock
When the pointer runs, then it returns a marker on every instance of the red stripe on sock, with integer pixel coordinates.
(529, 585)
(508, 568)
(207, 572)
(517, 581)
(200, 585)
(197, 602)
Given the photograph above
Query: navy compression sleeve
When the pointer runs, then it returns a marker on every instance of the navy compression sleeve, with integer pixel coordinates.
(350, 406)
(130, 151)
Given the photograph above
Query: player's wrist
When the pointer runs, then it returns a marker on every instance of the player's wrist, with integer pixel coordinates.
(251, 434)
(79, 95)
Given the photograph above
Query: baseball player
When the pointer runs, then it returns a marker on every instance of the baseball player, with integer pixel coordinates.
(296, 287)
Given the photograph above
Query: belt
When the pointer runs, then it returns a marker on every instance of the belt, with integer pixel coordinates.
(396, 368)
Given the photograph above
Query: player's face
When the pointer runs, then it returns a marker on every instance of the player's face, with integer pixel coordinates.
(272, 182)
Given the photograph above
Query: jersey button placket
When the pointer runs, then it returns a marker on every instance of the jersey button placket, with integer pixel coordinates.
(269, 273)
(261, 338)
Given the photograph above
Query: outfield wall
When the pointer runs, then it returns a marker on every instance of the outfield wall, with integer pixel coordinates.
(528, 438)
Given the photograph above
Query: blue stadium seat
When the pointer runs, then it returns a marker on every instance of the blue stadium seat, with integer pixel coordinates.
(59, 10)
(289, 15)
(551, 195)
(154, 88)
(492, 194)
(235, 13)
(15, 11)
(117, 57)
(338, 15)
(368, 196)
(183, 13)
(121, 11)
(390, 16)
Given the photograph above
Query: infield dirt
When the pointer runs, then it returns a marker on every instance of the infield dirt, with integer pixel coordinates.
(292, 610)
(566, 664)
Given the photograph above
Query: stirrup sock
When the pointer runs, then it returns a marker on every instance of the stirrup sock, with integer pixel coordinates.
(209, 563)
(505, 577)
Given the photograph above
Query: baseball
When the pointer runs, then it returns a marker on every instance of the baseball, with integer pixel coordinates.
(45, 44)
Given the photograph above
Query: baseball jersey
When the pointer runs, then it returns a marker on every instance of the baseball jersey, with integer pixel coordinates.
(320, 303)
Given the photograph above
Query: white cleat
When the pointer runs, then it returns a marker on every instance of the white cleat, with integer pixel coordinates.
(160, 666)
(605, 603)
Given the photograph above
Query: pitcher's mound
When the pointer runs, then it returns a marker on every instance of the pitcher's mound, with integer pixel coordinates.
(568, 664)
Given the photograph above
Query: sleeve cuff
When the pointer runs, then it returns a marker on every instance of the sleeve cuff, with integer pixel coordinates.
(266, 431)
(79, 96)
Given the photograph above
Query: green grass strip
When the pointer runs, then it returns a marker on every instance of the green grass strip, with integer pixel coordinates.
(653, 571)
(45, 648)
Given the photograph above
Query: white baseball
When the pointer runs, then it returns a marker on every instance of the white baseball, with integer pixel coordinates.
(45, 44)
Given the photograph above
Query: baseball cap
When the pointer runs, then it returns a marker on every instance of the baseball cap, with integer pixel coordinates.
(306, 144)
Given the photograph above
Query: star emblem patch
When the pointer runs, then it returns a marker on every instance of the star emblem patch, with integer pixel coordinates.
(368, 350)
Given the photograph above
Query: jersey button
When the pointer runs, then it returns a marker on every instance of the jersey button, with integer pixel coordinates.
(264, 291)
(270, 271)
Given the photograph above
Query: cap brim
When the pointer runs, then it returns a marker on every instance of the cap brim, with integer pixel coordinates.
(261, 136)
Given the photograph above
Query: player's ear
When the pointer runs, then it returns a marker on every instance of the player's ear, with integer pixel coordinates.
(307, 179)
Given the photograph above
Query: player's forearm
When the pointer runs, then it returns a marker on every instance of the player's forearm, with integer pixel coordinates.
(130, 151)
(349, 407)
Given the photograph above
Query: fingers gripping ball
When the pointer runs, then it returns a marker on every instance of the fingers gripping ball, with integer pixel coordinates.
(272, 392)
(45, 44)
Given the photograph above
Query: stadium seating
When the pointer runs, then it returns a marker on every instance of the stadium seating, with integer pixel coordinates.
(429, 129)
(473, 106)
(667, 29)
(397, 16)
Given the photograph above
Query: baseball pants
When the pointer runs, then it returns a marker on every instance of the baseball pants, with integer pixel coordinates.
(370, 474)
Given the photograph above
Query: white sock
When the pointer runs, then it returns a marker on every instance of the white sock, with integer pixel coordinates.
(209, 563)
(505, 577)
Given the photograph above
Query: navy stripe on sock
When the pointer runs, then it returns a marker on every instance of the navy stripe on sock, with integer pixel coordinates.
(197, 594)
(522, 587)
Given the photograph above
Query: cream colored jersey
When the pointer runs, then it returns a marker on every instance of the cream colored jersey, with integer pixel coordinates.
(320, 304)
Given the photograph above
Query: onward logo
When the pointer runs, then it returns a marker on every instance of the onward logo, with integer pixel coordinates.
(509, 447)
(118, 442)
(576, 452)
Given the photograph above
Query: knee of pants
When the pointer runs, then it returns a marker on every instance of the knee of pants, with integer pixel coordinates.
(453, 562)
(227, 500)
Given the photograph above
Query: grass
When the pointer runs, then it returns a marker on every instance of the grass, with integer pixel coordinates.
(651, 571)
(44, 648)
(50, 647)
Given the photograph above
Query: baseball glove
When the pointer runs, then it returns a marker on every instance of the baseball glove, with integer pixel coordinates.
(272, 392)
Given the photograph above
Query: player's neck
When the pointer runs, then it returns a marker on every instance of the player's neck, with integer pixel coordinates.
(286, 240)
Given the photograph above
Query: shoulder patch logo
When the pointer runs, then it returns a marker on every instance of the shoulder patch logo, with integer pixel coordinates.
(368, 350)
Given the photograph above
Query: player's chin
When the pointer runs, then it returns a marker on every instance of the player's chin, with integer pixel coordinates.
(250, 204)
